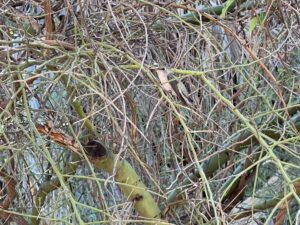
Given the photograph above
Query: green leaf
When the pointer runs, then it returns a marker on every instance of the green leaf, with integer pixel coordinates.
(253, 23)
(1, 129)
(228, 6)
(261, 18)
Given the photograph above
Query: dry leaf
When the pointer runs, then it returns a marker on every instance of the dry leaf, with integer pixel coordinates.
(163, 77)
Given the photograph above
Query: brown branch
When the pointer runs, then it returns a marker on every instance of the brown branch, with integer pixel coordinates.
(134, 118)
(9, 186)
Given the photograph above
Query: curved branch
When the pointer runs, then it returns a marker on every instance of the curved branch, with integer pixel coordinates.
(242, 141)
(50, 186)
(124, 174)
